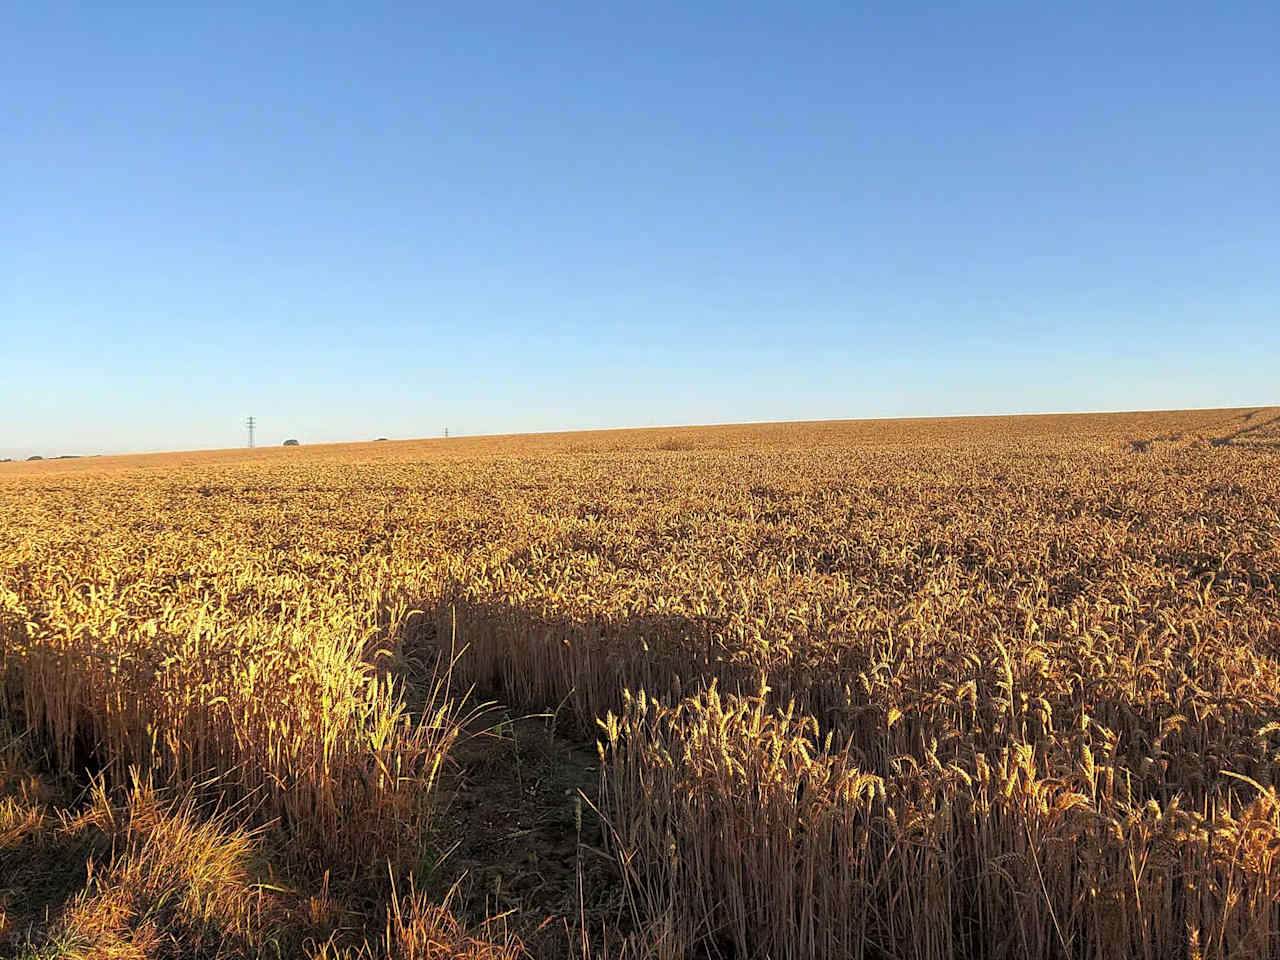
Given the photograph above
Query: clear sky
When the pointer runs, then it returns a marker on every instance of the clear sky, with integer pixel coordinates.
(361, 220)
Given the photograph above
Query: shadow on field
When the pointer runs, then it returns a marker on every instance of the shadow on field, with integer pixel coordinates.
(574, 667)
(1241, 437)
(575, 670)
(39, 875)
(518, 839)
(518, 834)
(1244, 438)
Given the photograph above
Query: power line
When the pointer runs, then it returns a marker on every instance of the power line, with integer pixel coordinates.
(249, 422)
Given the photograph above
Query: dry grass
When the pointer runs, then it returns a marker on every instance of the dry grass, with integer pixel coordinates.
(980, 688)
(146, 873)
(417, 929)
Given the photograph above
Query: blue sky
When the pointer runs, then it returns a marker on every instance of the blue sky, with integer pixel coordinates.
(361, 220)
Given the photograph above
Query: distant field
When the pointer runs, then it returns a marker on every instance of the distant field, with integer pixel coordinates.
(971, 687)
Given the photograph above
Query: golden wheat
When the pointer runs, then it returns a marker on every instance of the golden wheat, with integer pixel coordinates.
(985, 688)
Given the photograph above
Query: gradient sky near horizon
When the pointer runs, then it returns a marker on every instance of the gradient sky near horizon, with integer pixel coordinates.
(363, 220)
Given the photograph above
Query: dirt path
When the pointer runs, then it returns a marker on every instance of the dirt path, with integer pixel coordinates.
(518, 839)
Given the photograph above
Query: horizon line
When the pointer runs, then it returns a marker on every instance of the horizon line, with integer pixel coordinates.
(627, 429)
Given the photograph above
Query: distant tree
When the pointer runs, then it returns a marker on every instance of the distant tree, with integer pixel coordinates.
(380, 439)
(290, 443)
(35, 456)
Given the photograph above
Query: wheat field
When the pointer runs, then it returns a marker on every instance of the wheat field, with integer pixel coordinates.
(977, 688)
